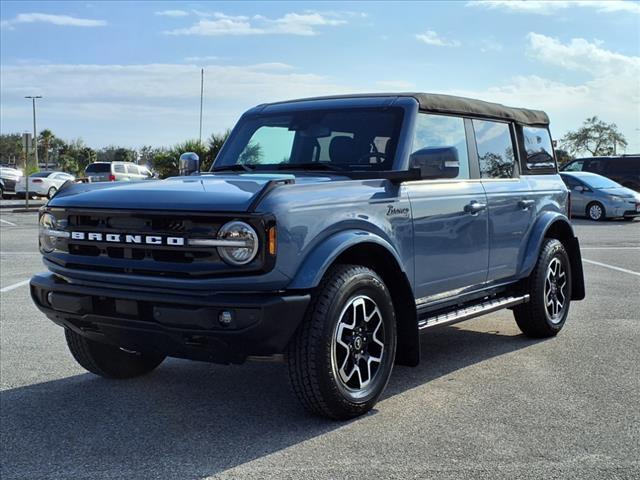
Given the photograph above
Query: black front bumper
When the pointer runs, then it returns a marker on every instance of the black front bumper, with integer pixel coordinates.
(185, 326)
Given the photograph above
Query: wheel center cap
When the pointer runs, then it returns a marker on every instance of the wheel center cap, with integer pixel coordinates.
(357, 343)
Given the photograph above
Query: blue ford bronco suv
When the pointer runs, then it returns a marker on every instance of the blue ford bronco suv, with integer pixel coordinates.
(330, 232)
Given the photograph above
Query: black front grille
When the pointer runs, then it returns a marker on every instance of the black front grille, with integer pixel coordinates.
(141, 259)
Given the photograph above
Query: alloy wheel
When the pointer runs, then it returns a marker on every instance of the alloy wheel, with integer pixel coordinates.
(555, 299)
(357, 347)
(595, 212)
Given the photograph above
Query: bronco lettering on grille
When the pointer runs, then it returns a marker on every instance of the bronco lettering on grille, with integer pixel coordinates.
(128, 238)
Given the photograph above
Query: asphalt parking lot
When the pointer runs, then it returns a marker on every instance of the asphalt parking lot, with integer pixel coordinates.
(484, 403)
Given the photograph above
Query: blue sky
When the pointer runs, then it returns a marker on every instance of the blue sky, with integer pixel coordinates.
(128, 73)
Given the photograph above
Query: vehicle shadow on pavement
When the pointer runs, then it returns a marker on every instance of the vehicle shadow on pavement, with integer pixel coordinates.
(189, 420)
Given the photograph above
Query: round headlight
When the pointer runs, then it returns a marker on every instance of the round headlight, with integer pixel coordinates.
(245, 239)
(47, 242)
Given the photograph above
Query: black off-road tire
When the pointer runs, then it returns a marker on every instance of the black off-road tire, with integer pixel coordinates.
(533, 317)
(596, 206)
(109, 361)
(312, 375)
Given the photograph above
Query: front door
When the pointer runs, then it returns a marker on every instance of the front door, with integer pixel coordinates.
(449, 215)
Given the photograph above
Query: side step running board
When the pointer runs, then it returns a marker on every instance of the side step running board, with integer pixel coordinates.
(476, 310)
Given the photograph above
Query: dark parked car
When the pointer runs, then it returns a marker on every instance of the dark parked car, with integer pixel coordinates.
(360, 222)
(624, 169)
(597, 197)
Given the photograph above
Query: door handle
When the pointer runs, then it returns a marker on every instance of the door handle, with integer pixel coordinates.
(475, 207)
(526, 204)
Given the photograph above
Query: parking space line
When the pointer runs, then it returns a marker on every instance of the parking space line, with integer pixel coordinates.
(609, 248)
(14, 286)
(605, 265)
(7, 222)
(19, 253)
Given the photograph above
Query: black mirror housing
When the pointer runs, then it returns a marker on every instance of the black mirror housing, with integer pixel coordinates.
(438, 162)
(189, 164)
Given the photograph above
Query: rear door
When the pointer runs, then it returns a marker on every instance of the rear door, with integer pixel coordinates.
(449, 215)
(511, 204)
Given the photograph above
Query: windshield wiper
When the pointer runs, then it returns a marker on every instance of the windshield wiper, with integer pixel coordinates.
(235, 167)
(310, 166)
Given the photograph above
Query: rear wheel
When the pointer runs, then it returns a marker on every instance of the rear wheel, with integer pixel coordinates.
(596, 211)
(109, 361)
(549, 287)
(341, 357)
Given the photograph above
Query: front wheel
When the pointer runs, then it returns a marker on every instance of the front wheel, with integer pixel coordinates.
(109, 361)
(341, 357)
(596, 211)
(549, 287)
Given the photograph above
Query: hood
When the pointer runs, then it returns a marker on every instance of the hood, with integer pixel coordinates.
(220, 193)
(620, 192)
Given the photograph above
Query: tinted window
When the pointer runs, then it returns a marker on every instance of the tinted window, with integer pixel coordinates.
(575, 166)
(625, 165)
(354, 139)
(569, 181)
(118, 168)
(40, 174)
(595, 166)
(98, 168)
(495, 149)
(132, 169)
(537, 144)
(433, 132)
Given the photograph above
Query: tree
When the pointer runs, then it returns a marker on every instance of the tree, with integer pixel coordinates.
(11, 150)
(216, 140)
(595, 137)
(117, 154)
(165, 163)
(562, 156)
(46, 137)
(251, 155)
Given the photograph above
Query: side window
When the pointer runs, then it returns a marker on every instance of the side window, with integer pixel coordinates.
(495, 149)
(575, 166)
(118, 168)
(570, 182)
(132, 169)
(436, 133)
(595, 166)
(537, 144)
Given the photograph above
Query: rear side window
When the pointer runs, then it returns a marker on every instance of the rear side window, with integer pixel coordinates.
(495, 149)
(595, 166)
(537, 145)
(99, 168)
(625, 165)
(118, 168)
(132, 169)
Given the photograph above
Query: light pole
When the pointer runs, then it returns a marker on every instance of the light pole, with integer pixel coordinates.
(201, 100)
(35, 150)
(35, 133)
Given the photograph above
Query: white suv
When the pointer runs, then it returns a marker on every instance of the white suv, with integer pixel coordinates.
(116, 171)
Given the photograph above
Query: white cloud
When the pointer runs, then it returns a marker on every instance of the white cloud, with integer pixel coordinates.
(431, 37)
(172, 13)
(490, 45)
(217, 24)
(610, 88)
(548, 7)
(148, 103)
(205, 58)
(64, 20)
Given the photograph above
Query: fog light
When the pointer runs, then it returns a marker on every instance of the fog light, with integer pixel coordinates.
(50, 298)
(225, 318)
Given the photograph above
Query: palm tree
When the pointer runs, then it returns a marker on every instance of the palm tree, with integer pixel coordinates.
(47, 136)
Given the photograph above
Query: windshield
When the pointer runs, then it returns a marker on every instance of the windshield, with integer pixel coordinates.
(98, 168)
(598, 182)
(354, 139)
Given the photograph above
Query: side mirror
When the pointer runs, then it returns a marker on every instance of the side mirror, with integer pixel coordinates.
(579, 188)
(439, 162)
(189, 164)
